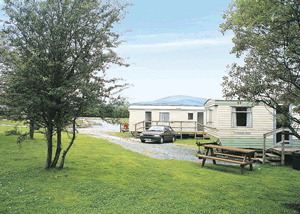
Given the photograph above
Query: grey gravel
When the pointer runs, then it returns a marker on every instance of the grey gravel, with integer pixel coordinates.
(153, 150)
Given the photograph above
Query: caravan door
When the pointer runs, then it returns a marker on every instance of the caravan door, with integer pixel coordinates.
(200, 120)
(148, 117)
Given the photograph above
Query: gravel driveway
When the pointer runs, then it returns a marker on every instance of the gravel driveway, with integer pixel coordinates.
(159, 151)
(153, 150)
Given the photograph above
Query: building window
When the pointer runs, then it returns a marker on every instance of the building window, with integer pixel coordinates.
(241, 117)
(163, 116)
(190, 116)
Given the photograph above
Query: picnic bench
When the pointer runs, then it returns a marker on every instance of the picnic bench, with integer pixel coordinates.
(244, 157)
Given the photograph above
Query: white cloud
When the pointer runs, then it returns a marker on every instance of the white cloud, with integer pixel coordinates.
(182, 43)
(150, 90)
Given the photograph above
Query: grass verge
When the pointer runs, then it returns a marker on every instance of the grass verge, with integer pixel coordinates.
(102, 177)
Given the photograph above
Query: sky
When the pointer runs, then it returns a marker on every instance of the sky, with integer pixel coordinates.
(173, 48)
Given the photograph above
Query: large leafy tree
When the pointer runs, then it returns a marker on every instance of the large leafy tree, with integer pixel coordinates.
(54, 55)
(267, 33)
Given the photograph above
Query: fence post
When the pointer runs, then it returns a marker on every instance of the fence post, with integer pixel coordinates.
(282, 149)
(181, 130)
(195, 130)
(135, 130)
(264, 150)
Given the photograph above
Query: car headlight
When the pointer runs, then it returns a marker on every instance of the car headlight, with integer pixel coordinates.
(156, 135)
(141, 134)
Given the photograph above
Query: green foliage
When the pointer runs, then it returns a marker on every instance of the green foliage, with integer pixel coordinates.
(54, 56)
(267, 33)
(14, 131)
(108, 111)
(10, 122)
(111, 179)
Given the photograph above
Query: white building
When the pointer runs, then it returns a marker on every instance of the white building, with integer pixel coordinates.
(182, 113)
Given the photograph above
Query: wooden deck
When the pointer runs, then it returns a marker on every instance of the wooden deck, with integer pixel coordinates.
(195, 134)
(180, 127)
(287, 150)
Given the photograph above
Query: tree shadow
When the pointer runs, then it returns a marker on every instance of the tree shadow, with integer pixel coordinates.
(228, 168)
(293, 205)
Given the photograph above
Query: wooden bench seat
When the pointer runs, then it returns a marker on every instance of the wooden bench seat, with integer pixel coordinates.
(224, 159)
(215, 156)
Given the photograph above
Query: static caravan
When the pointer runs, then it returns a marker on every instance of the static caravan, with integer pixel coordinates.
(182, 113)
(240, 124)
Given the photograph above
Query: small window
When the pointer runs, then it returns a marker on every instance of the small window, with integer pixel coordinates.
(241, 116)
(163, 116)
(190, 116)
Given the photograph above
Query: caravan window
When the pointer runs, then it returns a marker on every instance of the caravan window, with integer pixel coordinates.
(190, 116)
(241, 116)
(163, 116)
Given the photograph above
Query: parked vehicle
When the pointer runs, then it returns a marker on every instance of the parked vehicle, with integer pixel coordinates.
(159, 134)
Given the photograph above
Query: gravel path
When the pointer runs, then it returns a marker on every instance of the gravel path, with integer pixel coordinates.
(159, 151)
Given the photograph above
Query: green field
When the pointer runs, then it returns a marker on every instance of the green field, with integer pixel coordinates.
(102, 177)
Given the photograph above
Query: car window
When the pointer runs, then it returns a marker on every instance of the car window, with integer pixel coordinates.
(156, 128)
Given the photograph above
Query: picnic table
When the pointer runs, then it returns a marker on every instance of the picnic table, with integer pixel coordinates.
(243, 158)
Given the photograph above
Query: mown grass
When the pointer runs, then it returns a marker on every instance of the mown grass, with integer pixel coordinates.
(102, 177)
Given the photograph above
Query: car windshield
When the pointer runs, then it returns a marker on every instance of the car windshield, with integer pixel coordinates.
(156, 128)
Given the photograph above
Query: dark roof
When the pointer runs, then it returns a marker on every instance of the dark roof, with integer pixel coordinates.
(176, 101)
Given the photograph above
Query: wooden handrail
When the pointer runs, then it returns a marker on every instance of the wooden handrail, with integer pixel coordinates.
(276, 131)
(196, 124)
(282, 129)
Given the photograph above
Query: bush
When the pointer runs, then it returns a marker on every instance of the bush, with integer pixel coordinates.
(14, 131)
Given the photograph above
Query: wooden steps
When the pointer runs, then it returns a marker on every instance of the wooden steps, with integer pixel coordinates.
(271, 158)
(206, 136)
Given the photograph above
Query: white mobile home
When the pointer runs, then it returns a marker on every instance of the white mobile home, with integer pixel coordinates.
(240, 124)
(182, 113)
(236, 123)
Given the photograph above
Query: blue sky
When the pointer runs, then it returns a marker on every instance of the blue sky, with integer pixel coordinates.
(174, 48)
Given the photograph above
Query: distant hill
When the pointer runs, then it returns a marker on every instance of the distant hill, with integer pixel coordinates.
(176, 101)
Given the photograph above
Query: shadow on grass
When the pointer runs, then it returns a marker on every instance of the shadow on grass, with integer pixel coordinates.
(293, 205)
(233, 169)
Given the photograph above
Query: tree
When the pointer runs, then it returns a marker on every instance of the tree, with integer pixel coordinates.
(267, 32)
(55, 55)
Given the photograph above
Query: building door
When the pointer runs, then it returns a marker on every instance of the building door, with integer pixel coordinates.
(200, 120)
(278, 125)
(148, 117)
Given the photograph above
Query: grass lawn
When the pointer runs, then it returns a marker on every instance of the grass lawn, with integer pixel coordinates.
(102, 177)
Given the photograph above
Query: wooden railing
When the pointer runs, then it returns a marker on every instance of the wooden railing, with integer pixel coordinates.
(280, 143)
(179, 127)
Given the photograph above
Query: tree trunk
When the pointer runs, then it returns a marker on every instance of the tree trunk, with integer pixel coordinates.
(31, 129)
(58, 148)
(49, 134)
(62, 162)
(294, 132)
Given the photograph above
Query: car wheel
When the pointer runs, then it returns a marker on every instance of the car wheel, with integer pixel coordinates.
(173, 139)
(162, 140)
